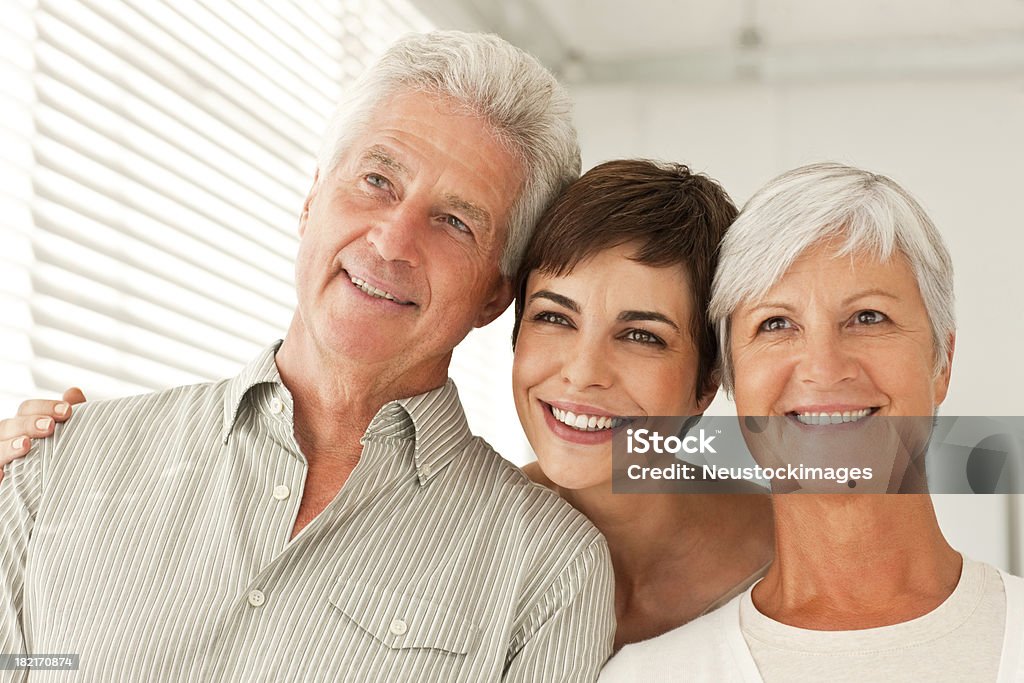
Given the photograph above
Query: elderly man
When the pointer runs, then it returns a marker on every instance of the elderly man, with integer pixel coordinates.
(326, 514)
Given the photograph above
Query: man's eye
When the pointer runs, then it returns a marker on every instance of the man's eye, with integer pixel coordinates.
(870, 317)
(643, 337)
(456, 223)
(553, 318)
(377, 181)
(774, 325)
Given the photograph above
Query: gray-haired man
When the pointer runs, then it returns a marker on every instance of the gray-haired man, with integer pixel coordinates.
(326, 514)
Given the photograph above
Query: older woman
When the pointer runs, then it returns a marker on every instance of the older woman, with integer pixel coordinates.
(612, 321)
(834, 296)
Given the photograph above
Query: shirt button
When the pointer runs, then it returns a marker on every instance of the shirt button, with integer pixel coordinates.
(276, 406)
(426, 470)
(281, 492)
(398, 627)
(256, 598)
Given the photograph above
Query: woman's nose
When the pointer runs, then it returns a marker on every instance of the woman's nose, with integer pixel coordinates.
(825, 359)
(586, 364)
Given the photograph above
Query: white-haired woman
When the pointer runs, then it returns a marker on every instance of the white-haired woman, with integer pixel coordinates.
(834, 295)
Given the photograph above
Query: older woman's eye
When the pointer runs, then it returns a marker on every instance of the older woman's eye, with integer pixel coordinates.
(552, 318)
(643, 337)
(870, 317)
(774, 325)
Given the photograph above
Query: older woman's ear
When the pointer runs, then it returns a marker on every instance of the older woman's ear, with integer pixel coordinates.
(942, 379)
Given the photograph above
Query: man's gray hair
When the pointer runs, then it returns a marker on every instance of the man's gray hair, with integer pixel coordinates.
(861, 212)
(529, 112)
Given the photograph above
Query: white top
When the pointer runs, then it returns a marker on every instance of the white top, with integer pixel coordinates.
(950, 643)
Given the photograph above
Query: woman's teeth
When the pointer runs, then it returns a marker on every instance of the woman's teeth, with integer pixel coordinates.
(833, 418)
(585, 423)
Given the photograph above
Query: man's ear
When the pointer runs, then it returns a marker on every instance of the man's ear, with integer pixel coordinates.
(942, 379)
(501, 297)
(309, 198)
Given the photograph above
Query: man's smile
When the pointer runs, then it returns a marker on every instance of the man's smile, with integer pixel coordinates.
(377, 292)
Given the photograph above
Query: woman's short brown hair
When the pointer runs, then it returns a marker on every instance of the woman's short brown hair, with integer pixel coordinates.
(675, 216)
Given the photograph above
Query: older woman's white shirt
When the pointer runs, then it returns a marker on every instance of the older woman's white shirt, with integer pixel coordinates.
(713, 648)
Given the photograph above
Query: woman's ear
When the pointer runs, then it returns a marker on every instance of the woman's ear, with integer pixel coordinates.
(710, 390)
(941, 386)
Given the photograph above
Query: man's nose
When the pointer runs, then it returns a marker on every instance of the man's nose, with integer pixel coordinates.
(587, 364)
(395, 234)
(826, 359)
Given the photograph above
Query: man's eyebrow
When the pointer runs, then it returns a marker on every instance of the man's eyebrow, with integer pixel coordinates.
(653, 316)
(557, 298)
(476, 214)
(382, 156)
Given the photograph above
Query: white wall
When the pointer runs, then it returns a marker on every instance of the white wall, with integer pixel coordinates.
(956, 144)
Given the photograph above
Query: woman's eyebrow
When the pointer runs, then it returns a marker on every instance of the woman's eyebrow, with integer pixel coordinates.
(770, 304)
(653, 316)
(869, 292)
(557, 298)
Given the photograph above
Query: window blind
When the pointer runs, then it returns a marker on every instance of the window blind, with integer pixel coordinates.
(154, 159)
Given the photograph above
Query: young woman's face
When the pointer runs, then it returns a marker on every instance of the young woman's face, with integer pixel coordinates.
(610, 339)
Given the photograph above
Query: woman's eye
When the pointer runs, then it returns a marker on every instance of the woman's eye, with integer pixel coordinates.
(643, 337)
(774, 324)
(870, 317)
(456, 223)
(553, 318)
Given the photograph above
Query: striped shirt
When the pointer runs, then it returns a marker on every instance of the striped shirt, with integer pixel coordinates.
(151, 536)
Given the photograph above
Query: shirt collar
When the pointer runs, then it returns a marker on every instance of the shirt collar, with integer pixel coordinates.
(435, 420)
(260, 370)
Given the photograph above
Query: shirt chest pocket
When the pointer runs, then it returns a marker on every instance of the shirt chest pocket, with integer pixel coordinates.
(401, 621)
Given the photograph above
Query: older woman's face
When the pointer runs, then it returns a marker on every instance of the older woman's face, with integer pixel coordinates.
(845, 335)
(609, 339)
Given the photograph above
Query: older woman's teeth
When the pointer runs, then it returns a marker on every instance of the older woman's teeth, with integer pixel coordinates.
(832, 418)
(585, 423)
(370, 289)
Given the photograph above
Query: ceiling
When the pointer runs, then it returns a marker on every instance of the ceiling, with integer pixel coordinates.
(687, 40)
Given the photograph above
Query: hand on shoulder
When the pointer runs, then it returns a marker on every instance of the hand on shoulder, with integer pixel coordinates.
(35, 419)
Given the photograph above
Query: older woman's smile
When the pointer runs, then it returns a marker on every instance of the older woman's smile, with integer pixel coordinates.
(831, 415)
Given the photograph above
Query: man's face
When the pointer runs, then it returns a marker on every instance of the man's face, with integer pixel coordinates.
(399, 251)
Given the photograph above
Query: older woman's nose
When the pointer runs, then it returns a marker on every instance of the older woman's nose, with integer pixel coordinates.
(586, 364)
(825, 360)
